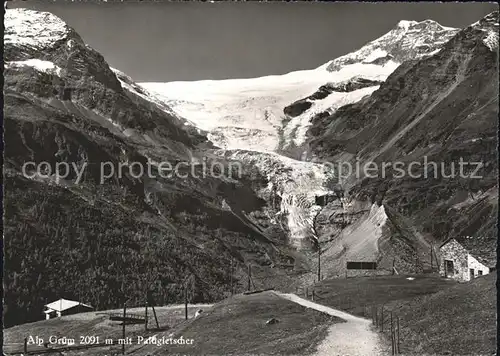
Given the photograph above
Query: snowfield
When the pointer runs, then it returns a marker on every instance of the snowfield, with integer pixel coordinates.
(37, 64)
(248, 113)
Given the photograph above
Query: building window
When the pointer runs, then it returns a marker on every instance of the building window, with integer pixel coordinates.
(479, 273)
(471, 273)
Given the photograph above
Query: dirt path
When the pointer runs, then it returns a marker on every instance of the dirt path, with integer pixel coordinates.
(352, 338)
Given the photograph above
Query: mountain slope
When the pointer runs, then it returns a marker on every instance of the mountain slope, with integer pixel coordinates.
(255, 118)
(441, 109)
(408, 40)
(103, 238)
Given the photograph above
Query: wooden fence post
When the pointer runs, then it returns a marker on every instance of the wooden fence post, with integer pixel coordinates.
(249, 277)
(146, 317)
(397, 325)
(123, 330)
(232, 289)
(156, 318)
(392, 337)
(185, 302)
(382, 321)
(432, 264)
(313, 295)
(25, 345)
(319, 264)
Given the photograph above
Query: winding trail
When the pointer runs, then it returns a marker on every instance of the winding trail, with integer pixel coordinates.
(352, 338)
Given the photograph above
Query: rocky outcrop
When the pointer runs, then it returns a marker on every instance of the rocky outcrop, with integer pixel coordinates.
(300, 106)
(291, 187)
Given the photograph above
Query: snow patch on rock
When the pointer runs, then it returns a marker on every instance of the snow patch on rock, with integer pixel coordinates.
(491, 41)
(38, 64)
(296, 129)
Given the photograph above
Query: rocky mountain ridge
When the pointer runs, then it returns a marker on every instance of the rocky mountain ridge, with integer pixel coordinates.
(429, 114)
(408, 40)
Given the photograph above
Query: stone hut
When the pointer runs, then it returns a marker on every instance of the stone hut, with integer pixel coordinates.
(462, 261)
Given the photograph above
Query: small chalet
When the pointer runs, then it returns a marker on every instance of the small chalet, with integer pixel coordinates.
(464, 260)
(65, 307)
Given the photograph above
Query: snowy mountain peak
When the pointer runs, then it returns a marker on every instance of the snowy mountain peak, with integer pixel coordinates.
(406, 24)
(408, 40)
(425, 24)
(34, 29)
(489, 26)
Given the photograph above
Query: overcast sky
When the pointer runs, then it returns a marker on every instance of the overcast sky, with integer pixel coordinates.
(168, 41)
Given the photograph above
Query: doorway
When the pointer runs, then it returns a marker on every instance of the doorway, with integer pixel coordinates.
(449, 270)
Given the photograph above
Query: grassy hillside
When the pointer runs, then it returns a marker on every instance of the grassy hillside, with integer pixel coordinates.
(354, 294)
(238, 326)
(94, 324)
(460, 320)
(437, 316)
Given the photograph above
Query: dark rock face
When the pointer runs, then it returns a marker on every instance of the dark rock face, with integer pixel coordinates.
(382, 60)
(352, 85)
(302, 105)
(442, 108)
(297, 108)
(98, 241)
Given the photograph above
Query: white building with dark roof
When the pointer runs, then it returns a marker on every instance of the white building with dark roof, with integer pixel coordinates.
(65, 307)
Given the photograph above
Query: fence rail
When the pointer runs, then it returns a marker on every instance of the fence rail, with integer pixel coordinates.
(127, 316)
(388, 323)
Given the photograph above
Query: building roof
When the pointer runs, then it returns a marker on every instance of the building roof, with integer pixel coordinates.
(480, 249)
(64, 304)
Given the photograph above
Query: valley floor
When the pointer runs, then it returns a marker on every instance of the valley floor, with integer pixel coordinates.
(436, 316)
